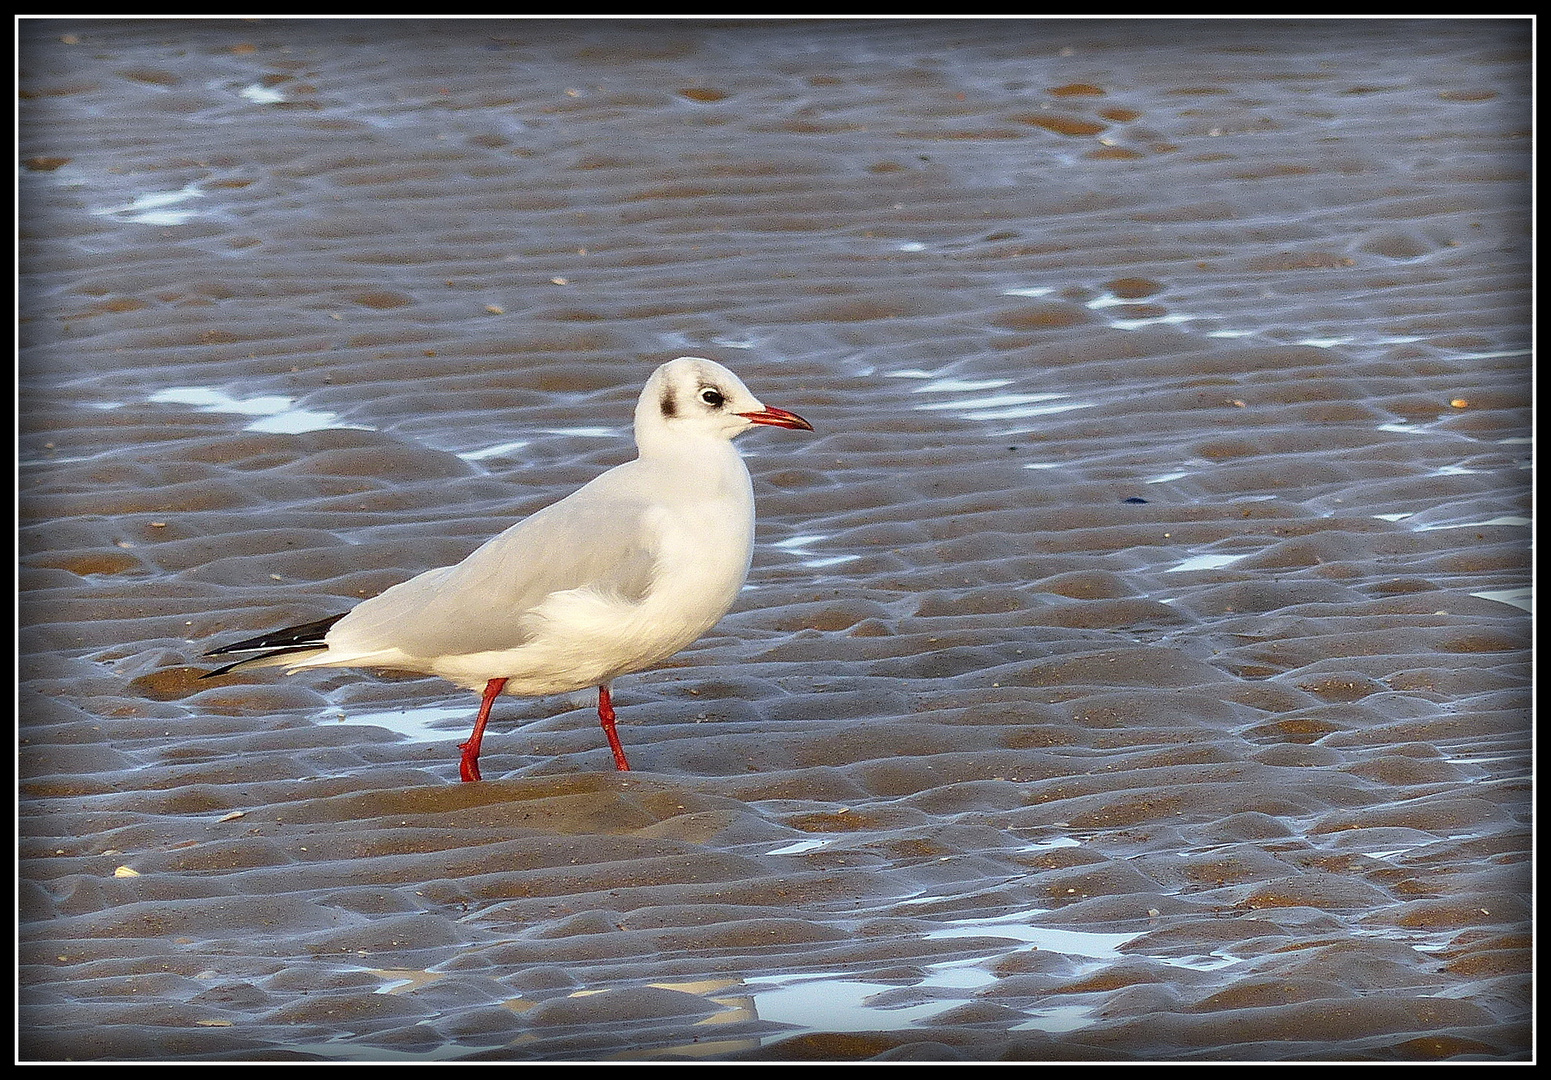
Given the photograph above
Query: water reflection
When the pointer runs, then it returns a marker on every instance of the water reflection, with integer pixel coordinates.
(276, 414)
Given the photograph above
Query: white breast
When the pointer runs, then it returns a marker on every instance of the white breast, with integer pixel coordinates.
(699, 530)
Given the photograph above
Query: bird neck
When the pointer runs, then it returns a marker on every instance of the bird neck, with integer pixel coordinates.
(709, 465)
(659, 443)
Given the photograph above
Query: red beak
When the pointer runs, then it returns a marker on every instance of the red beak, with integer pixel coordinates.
(777, 418)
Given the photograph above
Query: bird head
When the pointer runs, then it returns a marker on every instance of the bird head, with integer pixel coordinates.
(693, 398)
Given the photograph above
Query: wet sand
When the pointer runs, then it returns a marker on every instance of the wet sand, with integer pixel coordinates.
(1134, 665)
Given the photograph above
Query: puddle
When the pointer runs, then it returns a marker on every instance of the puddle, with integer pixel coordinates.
(802, 847)
(156, 207)
(797, 544)
(276, 414)
(261, 95)
(959, 386)
(349, 1051)
(1158, 320)
(417, 723)
(1016, 927)
(585, 432)
(830, 560)
(1519, 598)
(1507, 519)
(1060, 1018)
(833, 1001)
(499, 450)
(1009, 406)
(1206, 562)
(407, 980)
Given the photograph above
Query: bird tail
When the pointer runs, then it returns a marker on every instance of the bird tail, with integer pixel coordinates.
(279, 646)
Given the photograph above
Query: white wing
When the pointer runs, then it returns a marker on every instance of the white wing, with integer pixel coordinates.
(600, 537)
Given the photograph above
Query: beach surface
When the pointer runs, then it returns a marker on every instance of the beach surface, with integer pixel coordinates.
(1135, 663)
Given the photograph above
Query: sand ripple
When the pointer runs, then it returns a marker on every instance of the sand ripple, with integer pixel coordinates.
(1135, 664)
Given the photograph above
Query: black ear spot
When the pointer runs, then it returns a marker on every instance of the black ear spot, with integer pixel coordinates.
(666, 403)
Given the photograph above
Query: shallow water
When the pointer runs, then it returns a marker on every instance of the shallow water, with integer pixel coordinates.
(1135, 663)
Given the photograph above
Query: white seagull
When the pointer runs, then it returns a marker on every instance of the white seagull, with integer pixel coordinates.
(614, 578)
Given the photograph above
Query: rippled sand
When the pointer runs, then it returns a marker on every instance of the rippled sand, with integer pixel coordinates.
(1135, 664)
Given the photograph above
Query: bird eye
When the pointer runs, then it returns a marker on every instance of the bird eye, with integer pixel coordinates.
(712, 397)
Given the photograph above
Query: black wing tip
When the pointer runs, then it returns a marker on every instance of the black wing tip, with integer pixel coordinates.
(287, 640)
(262, 656)
(224, 669)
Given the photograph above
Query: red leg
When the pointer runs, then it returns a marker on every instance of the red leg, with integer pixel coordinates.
(606, 718)
(468, 767)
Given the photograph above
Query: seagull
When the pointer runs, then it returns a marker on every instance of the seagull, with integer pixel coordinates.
(615, 577)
